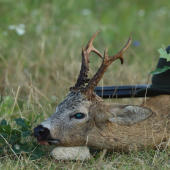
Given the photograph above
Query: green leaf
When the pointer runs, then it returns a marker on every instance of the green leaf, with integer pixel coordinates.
(21, 122)
(1, 150)
(3, 122)
(27, 123)
(2, 141)
(160, 70)
(16, 148)
(25, 147)
(15, 139)
(163, 54)
(15, 136)
(26, 133)
(7, 129)
(38, 153)
(15, 132)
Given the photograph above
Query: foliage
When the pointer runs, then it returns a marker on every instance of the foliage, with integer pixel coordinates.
(160, 70)
(19, 140)
(163, 54)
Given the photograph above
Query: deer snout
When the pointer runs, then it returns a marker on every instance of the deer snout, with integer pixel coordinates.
(43, 136)
(41, 132)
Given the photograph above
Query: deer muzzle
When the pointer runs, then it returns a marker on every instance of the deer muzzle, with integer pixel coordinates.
(43, 136)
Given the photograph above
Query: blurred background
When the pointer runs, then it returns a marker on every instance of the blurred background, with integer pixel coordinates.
(41, 42)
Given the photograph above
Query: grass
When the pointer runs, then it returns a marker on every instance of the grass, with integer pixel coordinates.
(139, 160)
(40, 47)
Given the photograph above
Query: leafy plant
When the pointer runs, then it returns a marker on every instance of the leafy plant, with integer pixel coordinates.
(19, 140)
(163, 54)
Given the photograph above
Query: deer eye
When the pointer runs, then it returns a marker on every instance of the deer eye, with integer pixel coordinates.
(79, 115)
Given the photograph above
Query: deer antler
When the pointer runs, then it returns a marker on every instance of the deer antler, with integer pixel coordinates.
(89, 89)
(83, 76)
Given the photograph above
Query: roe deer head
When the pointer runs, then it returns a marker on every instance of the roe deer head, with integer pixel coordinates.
(84, 118)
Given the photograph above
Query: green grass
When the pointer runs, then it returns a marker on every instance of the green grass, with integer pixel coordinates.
(38, 67)
(139, 160)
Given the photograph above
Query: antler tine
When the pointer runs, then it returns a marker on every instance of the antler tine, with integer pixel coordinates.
(89, 90)
(90, 47)
(120, 53)
(83, 76)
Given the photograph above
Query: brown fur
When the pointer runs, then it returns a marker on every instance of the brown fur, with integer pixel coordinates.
(152, 132)
(110, 126)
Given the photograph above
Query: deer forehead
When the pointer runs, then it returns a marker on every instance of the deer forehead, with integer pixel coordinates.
(74, 101)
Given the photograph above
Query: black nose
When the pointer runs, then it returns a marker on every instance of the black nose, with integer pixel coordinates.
(41, 132)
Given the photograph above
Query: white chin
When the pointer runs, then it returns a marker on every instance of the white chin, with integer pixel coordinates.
(71, 153)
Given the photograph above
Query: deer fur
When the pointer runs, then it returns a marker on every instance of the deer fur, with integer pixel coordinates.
(99, 128)
(105, 125)
(71, 153)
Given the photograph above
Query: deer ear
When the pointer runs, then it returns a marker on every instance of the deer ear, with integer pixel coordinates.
(129, 115)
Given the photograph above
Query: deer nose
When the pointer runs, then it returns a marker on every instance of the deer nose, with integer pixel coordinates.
(41, 132)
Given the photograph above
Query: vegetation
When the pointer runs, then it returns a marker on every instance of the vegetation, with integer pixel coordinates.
(40, 58)
(16, 140)
(163, 54)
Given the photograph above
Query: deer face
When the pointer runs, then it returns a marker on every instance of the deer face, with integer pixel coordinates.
(69, 124)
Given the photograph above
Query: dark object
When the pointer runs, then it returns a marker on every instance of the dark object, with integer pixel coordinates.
(121, 91)
(160, 82)
(83, 76)
(41, 132)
